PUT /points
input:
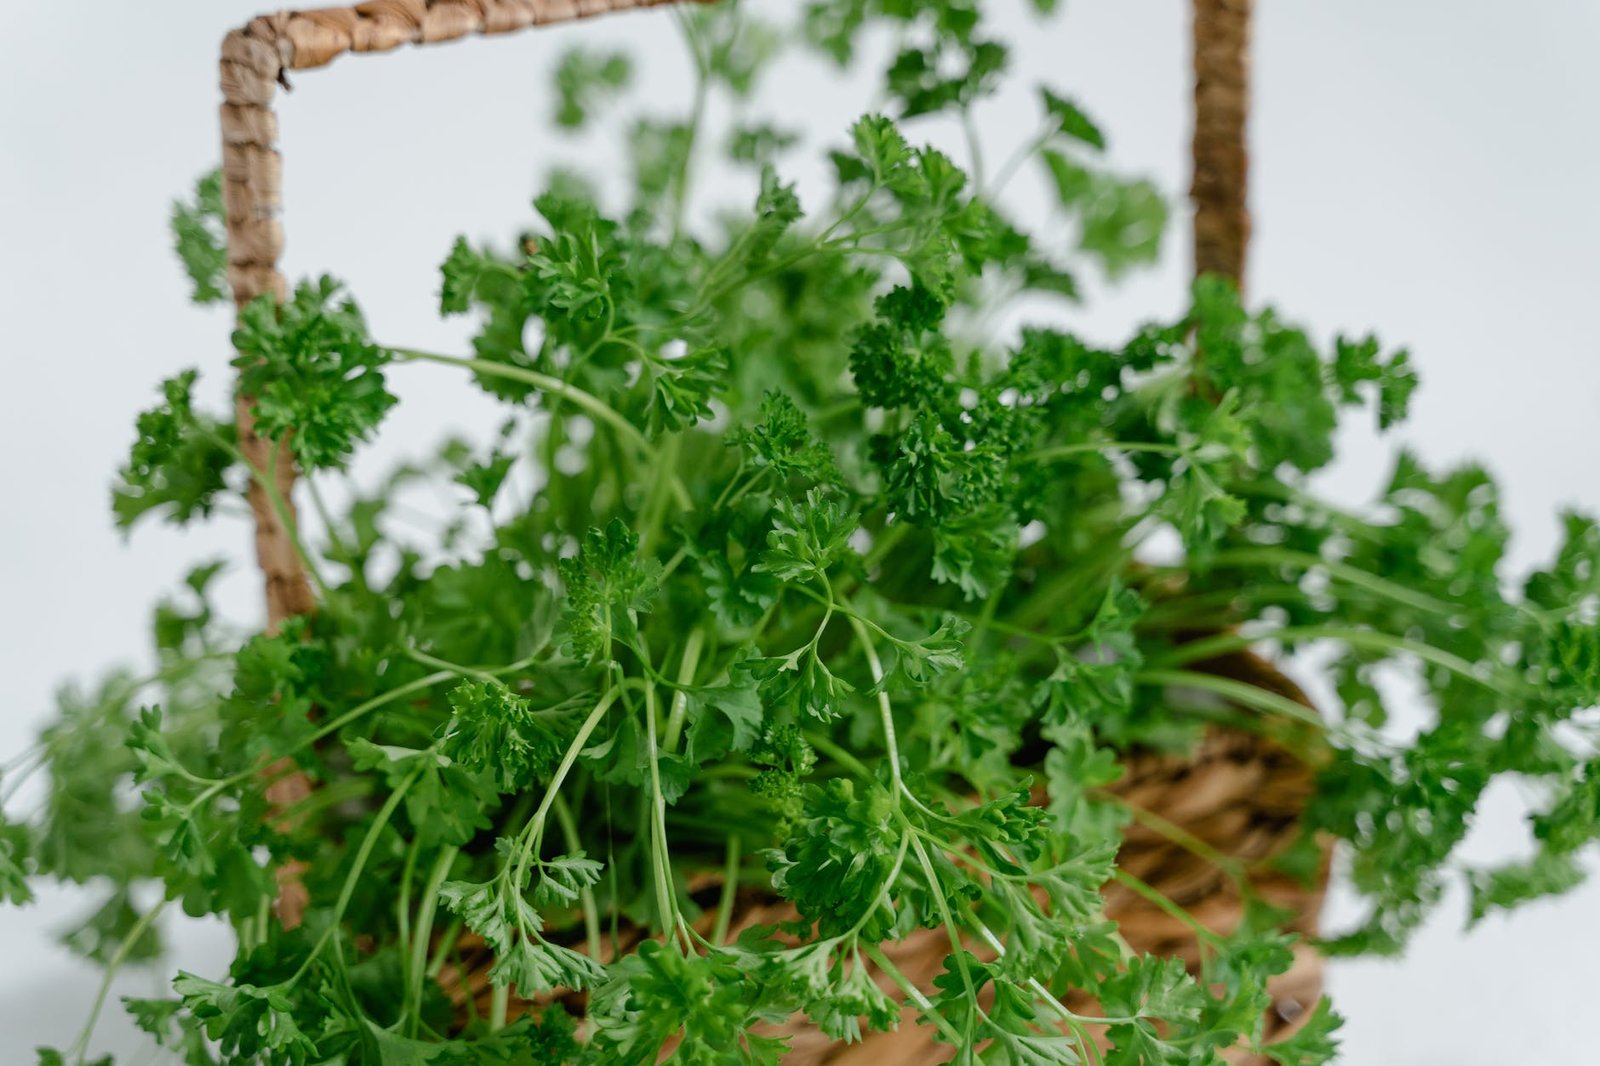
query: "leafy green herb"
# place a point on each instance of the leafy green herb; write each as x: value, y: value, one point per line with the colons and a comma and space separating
x: 815, y: 591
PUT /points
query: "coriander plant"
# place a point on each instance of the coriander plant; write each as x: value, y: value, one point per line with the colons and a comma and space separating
x: 793, y: 586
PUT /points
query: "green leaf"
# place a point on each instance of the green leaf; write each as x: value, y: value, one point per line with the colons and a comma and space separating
x: 937, y: 654
x: 179, y: 462
x: 316, y: 377
x: 1510, y: 886
x: 607, y: 585
x: 722, y: 719
x: 485, y: 479
x: 586, y: 79
x: 200, y: 237
x: 834, y: 867
x: 14, y: 865
x: 494, y: 731
x: 444, y: 801
x: 1120, y: 221
x: 246, y: 1020
x: 1070, y: 120
x: 784, y: 441
x: 682, y: 389
x: 1314, y: 1043
x: 808, y: 537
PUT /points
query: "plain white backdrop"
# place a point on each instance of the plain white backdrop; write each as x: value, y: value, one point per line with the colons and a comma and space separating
x: 1425, y: 170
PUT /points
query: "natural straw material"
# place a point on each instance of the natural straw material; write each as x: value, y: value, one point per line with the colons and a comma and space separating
x: 1221, y: 156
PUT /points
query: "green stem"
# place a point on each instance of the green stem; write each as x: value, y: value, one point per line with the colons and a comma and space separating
x: 660, y: 860
x: 1238, y: 691
x: 403, y: 905
x: 1166, y: 906
x: 418, y: 656
x: 1351, y: 575
x: 498, y: 1005
x: 571, y: 393
x: 885, y: 710
x: 331, y: 727
x: 702, y: 89
x: 730, y: 890
x: 1024, y: 152
x: 279, y: 506
x: 1063, y: 451
x: 342, y: 550
x: 1045, y: 995
x: 680, y: 698
x: 1360, y: 638
x: 1181, y: 837
x: 839, y: 754
x: 447, y: 944
x: 363, y: 854
x: 914, y: 994
x: 936, y: 889
x: 426, y: 910
x: 969, y: 128
x: 80, y: 1046
x: 535, y: 831
x: 591, y: 913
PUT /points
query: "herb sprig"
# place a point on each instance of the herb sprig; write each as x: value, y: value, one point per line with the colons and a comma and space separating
x: 818, y: 598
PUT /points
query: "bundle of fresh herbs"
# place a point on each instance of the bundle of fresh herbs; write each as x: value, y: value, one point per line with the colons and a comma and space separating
x: 788, y: 577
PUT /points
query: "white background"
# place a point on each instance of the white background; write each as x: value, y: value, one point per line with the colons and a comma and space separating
x: 1426, y: 169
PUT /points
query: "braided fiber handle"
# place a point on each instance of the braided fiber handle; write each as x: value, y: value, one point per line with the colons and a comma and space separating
x: 1221, y: 155
x: 255, y: 60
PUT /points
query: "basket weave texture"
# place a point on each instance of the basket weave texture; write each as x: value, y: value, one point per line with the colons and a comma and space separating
x: 1240, y: 794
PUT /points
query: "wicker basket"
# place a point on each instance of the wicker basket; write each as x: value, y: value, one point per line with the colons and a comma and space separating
x: 1240, y: 795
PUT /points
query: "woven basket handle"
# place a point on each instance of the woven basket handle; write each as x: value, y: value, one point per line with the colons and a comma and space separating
x: 1221, y: 155
x: 255, y: 60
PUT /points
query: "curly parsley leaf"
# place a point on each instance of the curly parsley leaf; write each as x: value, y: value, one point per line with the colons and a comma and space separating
x: 179, y: 462
x: 315, y: 376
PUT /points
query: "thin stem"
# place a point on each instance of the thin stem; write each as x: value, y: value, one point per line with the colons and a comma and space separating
x: 80, y: 1046
x: 885, y: 710
x: 839, y: 754
x: 420, y: 656
x: 403, y: 905
x: 969, y: 128
x: 326, y: 516
x: 591, y: 912
x: 426, y: 911
x: 666, y: 899
x: 446, y: 945
x: 914, y: 994
x: 331, y: 727
x: 363, y: 854
x: 1181, y: 837
x: 936, y: 889
x: 1062, y: 451
x: 680, y: 698
x: 1238, y: 691
x: 1351, y: 575
x: 1024, y: 152
x: 535, y: 831
x: 571, y: 393
x: 279, y: 506
x: 998, y: 947
x: 1360, y: 638
x: 1166, y: 906
x: 730, y: 890
x: 702, y: 89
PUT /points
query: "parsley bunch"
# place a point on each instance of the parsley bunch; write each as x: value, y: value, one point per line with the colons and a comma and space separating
x: 826, y: 594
